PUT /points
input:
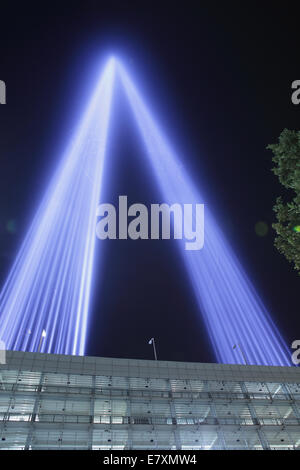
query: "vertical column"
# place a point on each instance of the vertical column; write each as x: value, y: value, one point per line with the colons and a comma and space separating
x: 213, y: 410
x: 294, y: 408
x: 92, y: 412
x: 129, y: 445
x: 292, y: 401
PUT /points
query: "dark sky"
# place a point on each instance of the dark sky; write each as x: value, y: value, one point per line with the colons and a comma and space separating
x: 219, y: 78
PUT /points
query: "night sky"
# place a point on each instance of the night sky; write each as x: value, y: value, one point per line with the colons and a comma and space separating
x: 219, y: 80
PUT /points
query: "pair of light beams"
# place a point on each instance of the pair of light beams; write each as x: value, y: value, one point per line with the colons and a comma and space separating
x: 50, y: 284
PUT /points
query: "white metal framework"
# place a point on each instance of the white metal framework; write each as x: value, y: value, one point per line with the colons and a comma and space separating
x: 70, y: 402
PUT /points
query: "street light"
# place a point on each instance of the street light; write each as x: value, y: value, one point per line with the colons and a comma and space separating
x: 243, y: 354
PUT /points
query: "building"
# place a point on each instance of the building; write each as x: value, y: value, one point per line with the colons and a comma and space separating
x: 73, y: 402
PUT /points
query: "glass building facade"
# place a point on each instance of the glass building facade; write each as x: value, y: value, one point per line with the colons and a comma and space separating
x: 72, y: 402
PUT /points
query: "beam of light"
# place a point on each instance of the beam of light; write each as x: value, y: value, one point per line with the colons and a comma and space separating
x: 232, y: 310
x: 49, y: 285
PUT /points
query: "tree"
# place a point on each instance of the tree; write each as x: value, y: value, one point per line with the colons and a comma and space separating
x: 286, y: 156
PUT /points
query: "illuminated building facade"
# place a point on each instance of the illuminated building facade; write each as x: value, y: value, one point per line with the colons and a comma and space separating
x: 50, y: 401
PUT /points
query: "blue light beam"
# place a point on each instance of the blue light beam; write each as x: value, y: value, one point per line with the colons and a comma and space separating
x: 49, y: 285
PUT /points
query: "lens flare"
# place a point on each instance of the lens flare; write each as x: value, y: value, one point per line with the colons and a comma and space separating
x: 261, y: 229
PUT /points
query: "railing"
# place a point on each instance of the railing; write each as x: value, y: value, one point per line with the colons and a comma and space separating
x: 121, y: 393
x: 145, y: 420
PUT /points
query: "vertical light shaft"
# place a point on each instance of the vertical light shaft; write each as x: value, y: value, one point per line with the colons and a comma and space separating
x: 232, y: 310
x: 49, y: 285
